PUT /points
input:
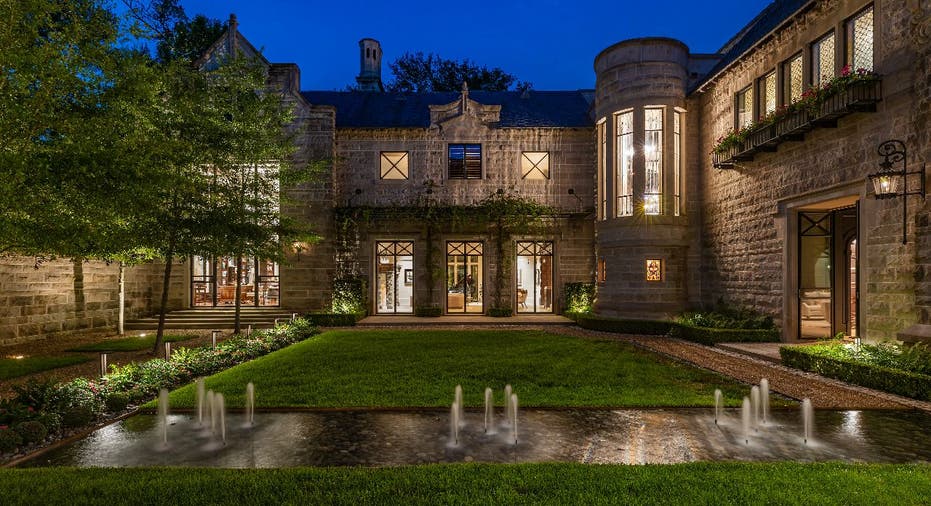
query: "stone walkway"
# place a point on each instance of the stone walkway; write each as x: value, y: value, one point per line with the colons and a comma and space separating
x: 825, y: 393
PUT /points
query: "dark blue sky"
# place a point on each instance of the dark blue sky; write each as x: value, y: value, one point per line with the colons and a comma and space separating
x: 551, y: 43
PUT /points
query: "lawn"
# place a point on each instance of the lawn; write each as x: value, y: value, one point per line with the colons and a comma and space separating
x: 136, y: 343
x: 387, y: 368
x: 701, y: 483
x: 16, y: 367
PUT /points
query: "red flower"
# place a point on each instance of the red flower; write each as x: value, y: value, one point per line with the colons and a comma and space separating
x: 30, y: 409
x: 3, y: 427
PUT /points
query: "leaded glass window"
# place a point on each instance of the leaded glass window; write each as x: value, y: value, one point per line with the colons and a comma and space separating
x: 677, y: 161
x: 653, y: 160
x: 624, y: 187
x: 860, y: 41
x: 767, y: 94
x: 822, y: 60
x: 792, y: 80
x: 744, y: 107
x: 602, y: 176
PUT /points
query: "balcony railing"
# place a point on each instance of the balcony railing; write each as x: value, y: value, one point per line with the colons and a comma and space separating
x: 860, y: 96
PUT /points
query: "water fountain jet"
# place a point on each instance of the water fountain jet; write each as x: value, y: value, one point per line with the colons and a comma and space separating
x: 163, y: 414
x: 808, y: 414
x: 489, y: 408
x: 745, y: 414
x: 250, y: 403
x: 718, y: 405
x: 458, y: 400
x: 454, y: 423
x: 755, y: 407
x: 199, y: 393
x: 764, y: 399
x: 514, y: 417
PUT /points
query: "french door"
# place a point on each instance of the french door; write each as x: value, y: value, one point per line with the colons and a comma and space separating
x: 213, y: 282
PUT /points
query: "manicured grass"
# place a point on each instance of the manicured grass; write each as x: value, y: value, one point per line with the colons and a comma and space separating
x: 14, y: 368
x: 136, y: 343
x: 383, y: 368
x: 703, y: 483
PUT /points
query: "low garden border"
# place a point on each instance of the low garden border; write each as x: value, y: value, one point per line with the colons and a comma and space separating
x: 701, y: 335
x: 908, y: 384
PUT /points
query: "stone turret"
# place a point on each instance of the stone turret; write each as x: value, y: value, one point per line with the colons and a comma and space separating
x: 369, y: 77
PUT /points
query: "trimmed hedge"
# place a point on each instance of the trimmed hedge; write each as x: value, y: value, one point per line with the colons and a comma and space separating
x: 648, y: 327
x: 428, y: 311
x: 710, y: 336
x: 908, y: 384
x: 500, y: 312
x: 333, y: 319
x: 702, y: 335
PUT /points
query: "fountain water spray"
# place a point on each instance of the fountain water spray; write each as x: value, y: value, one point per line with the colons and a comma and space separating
x: 808, y: 413
x: 250, y: 403
x: 718, y: 405
x: 745, y: 413
x: 221, y: 411
x: 764, y: 399
x: 199, y: 393
x: 755, y: 406
x: 210, y: 406
x: 489, y: 408
x: 458, y: 400
x: 514, y: 417
x: 454, y: 423
x: 507, y: 402
x: 163, y: 414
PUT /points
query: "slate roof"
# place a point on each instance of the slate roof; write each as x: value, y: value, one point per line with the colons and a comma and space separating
x: 759, y: 27
x: 357, y: 109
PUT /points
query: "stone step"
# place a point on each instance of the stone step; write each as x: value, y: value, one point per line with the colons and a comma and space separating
x: 211, y: 319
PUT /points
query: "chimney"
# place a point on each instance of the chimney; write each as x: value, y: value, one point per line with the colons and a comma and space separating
x: 369, y: 78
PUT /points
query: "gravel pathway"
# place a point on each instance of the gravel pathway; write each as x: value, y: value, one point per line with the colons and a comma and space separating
x: 825, y: 393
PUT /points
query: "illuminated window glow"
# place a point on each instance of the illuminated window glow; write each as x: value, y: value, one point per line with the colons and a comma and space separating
x: 624, y: 185
x: 653, y: 159
x: 394, y: 165
x: 822, y: 60
x: 535, y: 165
x: 860, y: 41
x: 654, y: 270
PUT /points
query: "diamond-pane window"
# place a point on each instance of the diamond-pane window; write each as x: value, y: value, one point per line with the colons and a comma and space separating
x: 744, y: 107
x: 535, y: 165
x: 860, y: 41
x: 624, y: 185
x: 394, y: 165
x: 792, y: 80
x: 822, y: 60
x: 767, y: 94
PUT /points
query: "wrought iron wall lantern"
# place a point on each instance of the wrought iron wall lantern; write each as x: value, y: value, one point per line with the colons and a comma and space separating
x: 891, y: 182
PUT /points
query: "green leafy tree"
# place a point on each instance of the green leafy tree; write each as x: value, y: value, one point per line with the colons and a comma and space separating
x: 421, y: 73
x: 176, y: 36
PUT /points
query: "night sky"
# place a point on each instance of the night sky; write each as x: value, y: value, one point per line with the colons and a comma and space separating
x: 551, y: 43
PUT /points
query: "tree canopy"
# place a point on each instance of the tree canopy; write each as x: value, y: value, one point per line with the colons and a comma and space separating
x: 420, y: 73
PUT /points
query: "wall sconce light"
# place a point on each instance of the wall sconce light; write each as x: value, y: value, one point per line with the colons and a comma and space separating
x: 890, y: 182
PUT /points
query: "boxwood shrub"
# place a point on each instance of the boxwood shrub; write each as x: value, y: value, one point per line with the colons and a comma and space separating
x: 622, y: 326
x: 428, y: 311
x: 710, y: 336
x: 817, y: 359
x: 334, y: 319
x: 500, y: 312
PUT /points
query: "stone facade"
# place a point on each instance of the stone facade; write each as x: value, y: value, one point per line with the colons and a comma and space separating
x: 734, y: 236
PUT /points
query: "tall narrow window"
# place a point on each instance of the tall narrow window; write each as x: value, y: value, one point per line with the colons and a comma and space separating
x: 394, y: 165
x: 653, y: 161
x: 465, y: 161
x: 602, y: 274
x: 394, y: 270
x: 860, y: 40
x: 792, y: 81
x: 677, y: 162
x: 744, y: 107
x: 767, y: 94
x: 624, y: 186
x: 822, y: 60
x: 602, y: 176
x: 535, y: 165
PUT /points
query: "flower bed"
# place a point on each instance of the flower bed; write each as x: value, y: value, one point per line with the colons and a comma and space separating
x: 42, y: 411
x: 883, y: 367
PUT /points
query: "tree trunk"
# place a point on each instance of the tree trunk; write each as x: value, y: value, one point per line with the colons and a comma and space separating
x: 166, y: 284
x: 121, y: 318
x: 238, y: 292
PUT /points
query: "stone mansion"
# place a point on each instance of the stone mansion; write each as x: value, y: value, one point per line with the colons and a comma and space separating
x: 680, y: 181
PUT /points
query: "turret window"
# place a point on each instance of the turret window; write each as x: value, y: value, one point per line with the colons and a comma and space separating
x: 624, y: 186
x: 653, y: 161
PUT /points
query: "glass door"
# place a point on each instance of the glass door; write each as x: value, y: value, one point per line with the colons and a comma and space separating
x: 815, y: 281
x: 464, y: 283
x: 534, y: 277
x: 394, y: 269
x: 213, y: 282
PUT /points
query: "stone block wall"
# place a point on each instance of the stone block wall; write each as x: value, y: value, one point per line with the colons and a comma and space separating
x: 750, y: 211
x: 65, y: 296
